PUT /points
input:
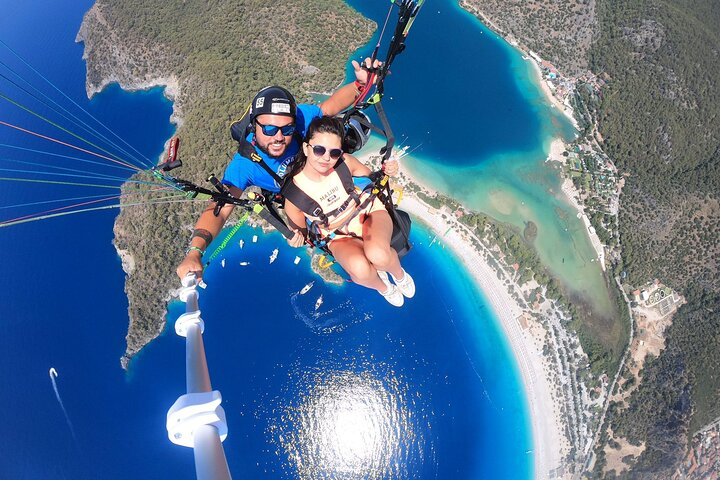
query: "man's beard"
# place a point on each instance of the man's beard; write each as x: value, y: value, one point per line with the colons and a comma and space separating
x: 266, y: 152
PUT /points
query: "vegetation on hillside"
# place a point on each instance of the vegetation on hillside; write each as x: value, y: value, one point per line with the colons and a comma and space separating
x: 657, y: 119
x: 560, y: 30
x: 660, y: 122
x: 603, y: 344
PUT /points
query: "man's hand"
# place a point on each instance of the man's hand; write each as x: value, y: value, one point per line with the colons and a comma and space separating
x: 191, y: 263
x: 391, y: 167
x: 361, y: 74
x: 298, y: 240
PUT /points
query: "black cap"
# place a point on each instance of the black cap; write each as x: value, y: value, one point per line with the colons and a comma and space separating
x: 273, y: 100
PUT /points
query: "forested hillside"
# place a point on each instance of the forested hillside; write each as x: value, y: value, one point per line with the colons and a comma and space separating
x: 660, y: 122
x: 560, y: 30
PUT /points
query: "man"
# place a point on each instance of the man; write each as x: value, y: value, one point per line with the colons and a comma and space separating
x: 278, y: 125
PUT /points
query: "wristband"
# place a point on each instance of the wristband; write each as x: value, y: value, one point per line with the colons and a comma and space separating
x: 359, y: 85
x: 197, y: 249
x: 204, y: 234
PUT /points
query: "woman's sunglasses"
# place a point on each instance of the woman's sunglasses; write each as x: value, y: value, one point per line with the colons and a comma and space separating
x: 319, y: 151
x: 271, y: 130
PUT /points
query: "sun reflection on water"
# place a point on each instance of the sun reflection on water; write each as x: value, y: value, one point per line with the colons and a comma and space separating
x: 349, y: 425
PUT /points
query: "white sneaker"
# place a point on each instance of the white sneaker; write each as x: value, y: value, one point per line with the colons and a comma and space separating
x: 392, y: 294
x: 406, y: 285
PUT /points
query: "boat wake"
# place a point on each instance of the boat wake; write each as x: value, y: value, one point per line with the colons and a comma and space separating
x: 53, y: 375
x: 326, y: 321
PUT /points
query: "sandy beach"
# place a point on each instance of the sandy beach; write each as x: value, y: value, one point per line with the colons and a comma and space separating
x: 565, y: 109
x: 524, y: 334
x: 546, y: 427
x: 557, y: 147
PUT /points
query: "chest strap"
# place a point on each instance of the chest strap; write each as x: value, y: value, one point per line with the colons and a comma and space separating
x: 310, y: 207
x: 247, y: 150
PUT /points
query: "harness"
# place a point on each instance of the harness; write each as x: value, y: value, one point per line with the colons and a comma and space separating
x: 290, y: 191
x: 311, y: 208
x: 375, y: 185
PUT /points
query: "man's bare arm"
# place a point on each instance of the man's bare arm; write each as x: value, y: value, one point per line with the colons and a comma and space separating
x: 206, y: 229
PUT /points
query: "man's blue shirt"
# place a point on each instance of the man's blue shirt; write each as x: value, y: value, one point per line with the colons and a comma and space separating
x: 243, y: 172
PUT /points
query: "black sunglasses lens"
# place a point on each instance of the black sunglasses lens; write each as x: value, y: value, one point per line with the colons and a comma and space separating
x: 319, y: 151
x: 271, y: 130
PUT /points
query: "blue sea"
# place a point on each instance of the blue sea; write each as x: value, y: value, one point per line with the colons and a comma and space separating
x: 352, y: 389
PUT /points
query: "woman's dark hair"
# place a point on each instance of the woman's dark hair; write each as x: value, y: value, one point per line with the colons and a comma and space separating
x: 331, y: 125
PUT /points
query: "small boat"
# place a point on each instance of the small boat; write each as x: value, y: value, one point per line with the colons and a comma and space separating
x: 274, y: 255
x: 244, y: 264
x: 297, y: 260
x: 254, y: 238
x: 306, y: 288
x: 318, y: 302
x: 222, y: 262
x: 242, y: 243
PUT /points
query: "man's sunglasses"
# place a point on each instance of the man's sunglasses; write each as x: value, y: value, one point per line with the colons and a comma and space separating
x: 319, y: 151
x: 271, y: 130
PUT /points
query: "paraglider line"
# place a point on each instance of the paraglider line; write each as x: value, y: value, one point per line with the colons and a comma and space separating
x: 69, y: 145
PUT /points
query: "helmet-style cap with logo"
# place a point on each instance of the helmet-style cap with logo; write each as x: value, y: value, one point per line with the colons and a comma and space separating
x: 273, y: 100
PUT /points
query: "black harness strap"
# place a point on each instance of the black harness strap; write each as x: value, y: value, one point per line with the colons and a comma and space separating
x: 247, y: 150
x: 310, y: 207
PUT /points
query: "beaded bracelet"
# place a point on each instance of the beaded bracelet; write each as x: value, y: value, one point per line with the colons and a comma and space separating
x: 198, y: 249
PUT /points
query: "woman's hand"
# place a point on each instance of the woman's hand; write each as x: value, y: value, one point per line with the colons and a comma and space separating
x: 391, y: 167
x: 298, y: 240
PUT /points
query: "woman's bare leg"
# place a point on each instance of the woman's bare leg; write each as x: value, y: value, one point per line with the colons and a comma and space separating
x: 350, y: 255
x: 377, y: 234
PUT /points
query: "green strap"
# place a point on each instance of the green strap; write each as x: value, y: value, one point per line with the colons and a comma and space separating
x: 228, y: 237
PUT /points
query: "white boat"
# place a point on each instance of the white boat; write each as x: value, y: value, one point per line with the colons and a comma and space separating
x: 274, y: 255
x: 244, y: 264
x: 403, y: 151
x: 222, y: 262
x: 242, y: 243
x: 254, y: 238
x: 306, y: 288
x: 318, y: 302
x: 297, y: 260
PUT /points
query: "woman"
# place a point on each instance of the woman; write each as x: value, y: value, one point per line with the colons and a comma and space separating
x: 358, y: 239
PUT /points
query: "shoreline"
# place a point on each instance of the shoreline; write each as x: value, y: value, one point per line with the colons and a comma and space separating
x: 171, y: 92
x: 525, y: 336
x: 572, y: 196
x: 545, y: 429
x: 543, y: 84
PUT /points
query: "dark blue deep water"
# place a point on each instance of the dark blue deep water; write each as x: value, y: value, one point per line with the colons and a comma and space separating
x: 354, y: 389
x: 452, y: 94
